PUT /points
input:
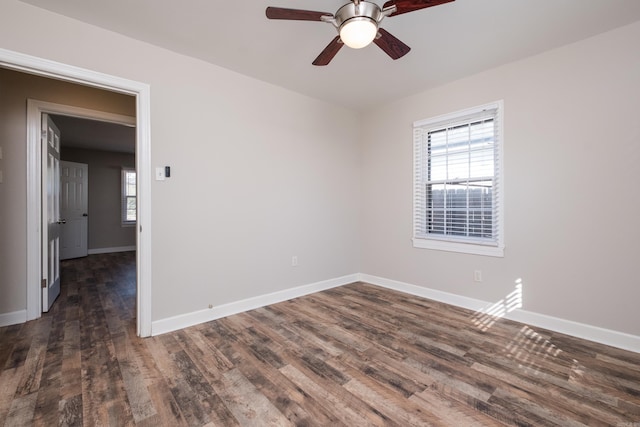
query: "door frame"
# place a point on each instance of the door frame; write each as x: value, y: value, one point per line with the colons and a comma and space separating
x: 141, y: 91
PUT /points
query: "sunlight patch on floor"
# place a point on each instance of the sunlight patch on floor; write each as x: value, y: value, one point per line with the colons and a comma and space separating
x: 485, y: 318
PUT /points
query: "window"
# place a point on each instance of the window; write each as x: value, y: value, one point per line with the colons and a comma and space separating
x: 458, y: 182
x: 129, y: 201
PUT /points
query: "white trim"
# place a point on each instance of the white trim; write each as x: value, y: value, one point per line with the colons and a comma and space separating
x: 433, y: 294
x: 111, y: 250
x: 69, y: 73
x: 13, y: 318
x: 461, y: 247
x: 580, y: 330
x: 201, y: 316
x: 34, y: 202
x: 459, y: 115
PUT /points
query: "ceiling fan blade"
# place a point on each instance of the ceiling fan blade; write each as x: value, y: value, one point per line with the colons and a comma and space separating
x: 391, y: 45
x: 404, y: 6
x: 329, y: 52
x: 295, y: 14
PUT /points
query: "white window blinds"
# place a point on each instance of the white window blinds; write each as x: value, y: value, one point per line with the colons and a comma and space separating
x: 457, y: 181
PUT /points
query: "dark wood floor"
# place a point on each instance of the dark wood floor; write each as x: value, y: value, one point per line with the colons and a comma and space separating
x: 355, y: 355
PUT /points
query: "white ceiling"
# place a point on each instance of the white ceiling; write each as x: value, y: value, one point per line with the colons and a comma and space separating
x: 448, y: 42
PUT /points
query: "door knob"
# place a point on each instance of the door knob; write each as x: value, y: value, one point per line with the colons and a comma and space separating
x: 62, y: 221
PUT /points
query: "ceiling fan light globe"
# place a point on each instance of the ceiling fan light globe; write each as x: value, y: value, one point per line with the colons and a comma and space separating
x: 358, y: 32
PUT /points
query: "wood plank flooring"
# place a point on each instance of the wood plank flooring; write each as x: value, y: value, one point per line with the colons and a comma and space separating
x: 357, y: 355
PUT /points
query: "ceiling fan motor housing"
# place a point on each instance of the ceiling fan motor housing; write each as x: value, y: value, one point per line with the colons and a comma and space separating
x: 362, y: 10
x: 355, y: 19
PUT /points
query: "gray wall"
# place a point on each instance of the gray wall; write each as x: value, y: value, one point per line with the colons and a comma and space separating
x: 15, y: 89
x: 104, y: 226
x: 572, y: 168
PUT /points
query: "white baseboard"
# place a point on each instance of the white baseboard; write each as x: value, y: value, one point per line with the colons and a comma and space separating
x: 580, y: 330
x: 201, y: 316
x: 13, y: 318
x: 593, y: 333
x: 111, y: 250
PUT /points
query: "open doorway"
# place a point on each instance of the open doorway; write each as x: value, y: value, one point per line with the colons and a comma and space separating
x: 97, y: 199
x: 34, y: 230
x: 98, y: 186
x: 56, y: 120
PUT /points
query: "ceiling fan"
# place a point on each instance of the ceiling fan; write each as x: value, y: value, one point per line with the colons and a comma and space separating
x: 357, y: 23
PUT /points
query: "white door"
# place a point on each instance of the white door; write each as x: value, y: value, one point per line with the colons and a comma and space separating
x: 74, y: 209
x: 51, y: 219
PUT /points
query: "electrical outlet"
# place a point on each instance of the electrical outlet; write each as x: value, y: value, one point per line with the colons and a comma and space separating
x: 477, y: 275
x: 294, y: 261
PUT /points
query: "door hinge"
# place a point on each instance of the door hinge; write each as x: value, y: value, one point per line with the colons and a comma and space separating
x: 44, y: 283
x: 44, y: 134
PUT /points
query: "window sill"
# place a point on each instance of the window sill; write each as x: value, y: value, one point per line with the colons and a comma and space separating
x: 466, y: 248
x: 128, y: 224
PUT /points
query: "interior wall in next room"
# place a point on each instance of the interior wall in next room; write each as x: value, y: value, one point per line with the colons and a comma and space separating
x: 105, y: 229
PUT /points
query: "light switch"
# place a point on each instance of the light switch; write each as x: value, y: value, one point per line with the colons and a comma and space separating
x: 160, y: 174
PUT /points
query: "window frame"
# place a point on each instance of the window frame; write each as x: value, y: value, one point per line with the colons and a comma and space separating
x: 469, y: 245
x: 124, y: 196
